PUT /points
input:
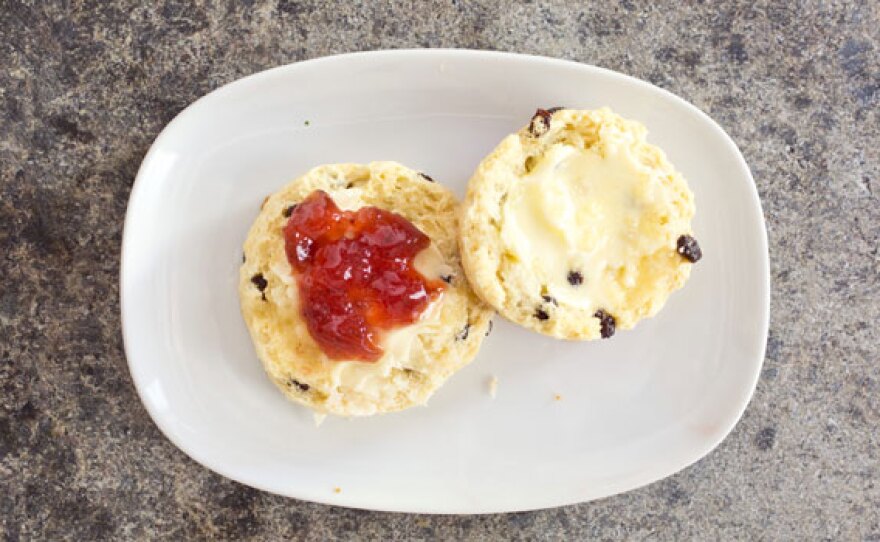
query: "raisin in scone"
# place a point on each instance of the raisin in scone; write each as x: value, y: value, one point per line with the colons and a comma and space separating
x: 353, y: 291
x: 575, y: 226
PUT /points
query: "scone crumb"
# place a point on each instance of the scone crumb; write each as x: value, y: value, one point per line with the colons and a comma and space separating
x: 493, y: 386
x: 337, y: 489
x: 557, y: 397
x: 319, y: 418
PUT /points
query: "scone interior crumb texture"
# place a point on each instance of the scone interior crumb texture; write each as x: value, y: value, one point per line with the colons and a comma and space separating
x: 418, y: 358
x: 571, y: 226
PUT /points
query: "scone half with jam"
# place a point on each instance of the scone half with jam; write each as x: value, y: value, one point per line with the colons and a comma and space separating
x: 576, y: 226
x: 353, y: 292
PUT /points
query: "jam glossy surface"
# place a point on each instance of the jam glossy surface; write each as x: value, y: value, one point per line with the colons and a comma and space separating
x: 355, y: 274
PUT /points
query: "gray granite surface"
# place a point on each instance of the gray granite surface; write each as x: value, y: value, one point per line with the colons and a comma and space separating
x: 86, y: 86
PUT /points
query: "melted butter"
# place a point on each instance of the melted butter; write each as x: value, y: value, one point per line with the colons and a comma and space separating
x: 347, y: 199
x: 401, y: 346
x: 581, y: 210
x: 430, y: 263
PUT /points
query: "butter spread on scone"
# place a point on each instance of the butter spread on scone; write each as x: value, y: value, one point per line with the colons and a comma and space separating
x: 576, y: 226
x: 415, y: 357
x: 355, y: 274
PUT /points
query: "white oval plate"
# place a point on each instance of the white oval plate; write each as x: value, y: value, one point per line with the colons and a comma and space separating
x: 632, y: 409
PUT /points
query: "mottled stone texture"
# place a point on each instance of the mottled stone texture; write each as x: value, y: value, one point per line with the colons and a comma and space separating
x: 85, y: 87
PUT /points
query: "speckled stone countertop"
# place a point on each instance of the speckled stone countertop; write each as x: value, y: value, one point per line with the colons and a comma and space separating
x: 86, y: 86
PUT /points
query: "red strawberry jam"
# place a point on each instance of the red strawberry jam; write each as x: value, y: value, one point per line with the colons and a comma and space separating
x: 355, y: 274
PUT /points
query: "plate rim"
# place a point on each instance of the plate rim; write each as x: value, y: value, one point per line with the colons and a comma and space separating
x: 340, y: 500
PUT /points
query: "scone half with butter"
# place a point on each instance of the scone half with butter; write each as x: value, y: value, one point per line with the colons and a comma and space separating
x: 353, y: 292
x: 576, y: 226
